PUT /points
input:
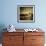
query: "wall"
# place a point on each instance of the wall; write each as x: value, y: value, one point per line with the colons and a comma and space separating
x: 9, y: 13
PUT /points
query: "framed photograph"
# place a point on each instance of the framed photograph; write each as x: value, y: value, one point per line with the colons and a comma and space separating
x: 26, y: 13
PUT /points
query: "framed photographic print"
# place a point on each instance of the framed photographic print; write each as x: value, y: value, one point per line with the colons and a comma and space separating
x: 26, y: 13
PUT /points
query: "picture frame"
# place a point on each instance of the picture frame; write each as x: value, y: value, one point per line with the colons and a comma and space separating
x: 26, y: 13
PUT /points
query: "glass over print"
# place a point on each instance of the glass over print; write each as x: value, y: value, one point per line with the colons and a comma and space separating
x: 26, y: 13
